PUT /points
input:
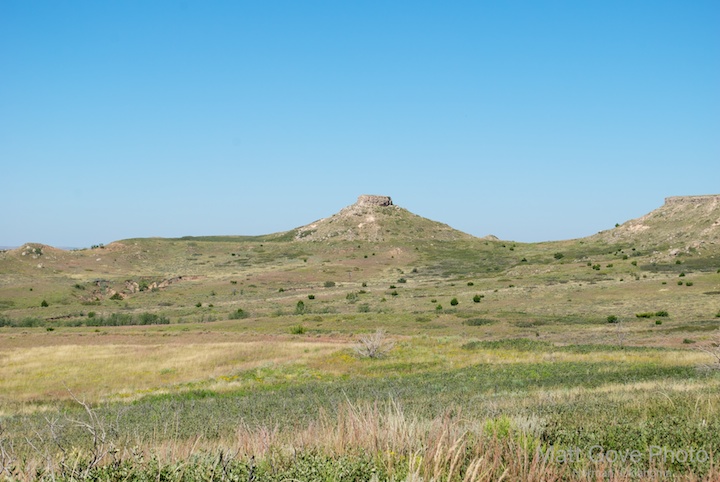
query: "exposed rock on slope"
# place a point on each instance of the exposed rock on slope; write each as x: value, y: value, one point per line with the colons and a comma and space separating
x: 376, y: 218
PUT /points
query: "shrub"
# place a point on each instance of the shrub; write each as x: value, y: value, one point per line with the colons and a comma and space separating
x: 364, y: 308
x: 351, y: 297
x: 478, y: 322
x: 454, y: 302
x: 470, y: 283
x: 477, y: 298
x: 394, y: 293
x: 688, y: 341
x: 364, y: 284
x: 680, y: 283
x: 439, y: 307
x: 375, y: 345
x: 198, y: 304
x: 634, y: 263
x: 238, y: 314
x: 152, y: 319
x: 300, y: 308
x: 311, y: 297
x: 329, y: 284
x: 402, y: 280
x: 44, y: 304
x: 662, y: 313
x: 392, y: 287
x: 297, y: 330
x: 658, y: 322
x: 612, y: 319
x: 558, y: 256
x: 682, y: 274
x: 116, y: 297
x: 688, y: 283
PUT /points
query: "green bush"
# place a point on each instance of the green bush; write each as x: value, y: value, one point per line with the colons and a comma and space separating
x: 478, y: 322
x: 297, y: 330
x: 364, y: 308
x: 329, y: 284
x: 300, y: 307
x: 44, y: 304
x: 454, y: 302
x: 558, y: 256
x: 612, y: 319
x: 681, y: 274
x: 477, y: 298
x: 238, y: 314
x: 658, y: 322
x: 470, y: 283
x: 311, y: 297
x: 116, y: 297
x: 439, y: 307
x: 402, y: 280
x: 688, y: 283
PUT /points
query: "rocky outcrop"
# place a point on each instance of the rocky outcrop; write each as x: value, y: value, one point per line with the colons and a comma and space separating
x: 704, y: 199
x: 371, y: 200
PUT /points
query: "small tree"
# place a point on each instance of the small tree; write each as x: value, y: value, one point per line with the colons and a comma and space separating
x: 44, y: 304
x: 375, y: 345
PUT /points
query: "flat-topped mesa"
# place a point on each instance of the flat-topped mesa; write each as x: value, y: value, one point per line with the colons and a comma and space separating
x: 370, y: 200
x: 692, y: 199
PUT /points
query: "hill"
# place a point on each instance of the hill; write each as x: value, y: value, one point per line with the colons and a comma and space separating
x: 376, y: 219
x: 684, y: 225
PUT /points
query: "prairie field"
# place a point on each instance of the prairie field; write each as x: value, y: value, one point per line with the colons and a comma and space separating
x: 427, y: 355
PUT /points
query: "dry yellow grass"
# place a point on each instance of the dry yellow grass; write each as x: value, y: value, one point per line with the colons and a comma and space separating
x: 101, y: 372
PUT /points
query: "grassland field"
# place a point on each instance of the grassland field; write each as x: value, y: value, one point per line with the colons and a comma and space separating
x: 234, y: 358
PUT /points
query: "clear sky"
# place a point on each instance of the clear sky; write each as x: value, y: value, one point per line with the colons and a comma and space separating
x: 529, y: 120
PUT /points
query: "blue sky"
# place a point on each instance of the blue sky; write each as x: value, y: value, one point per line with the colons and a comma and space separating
x: 532, y: 121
